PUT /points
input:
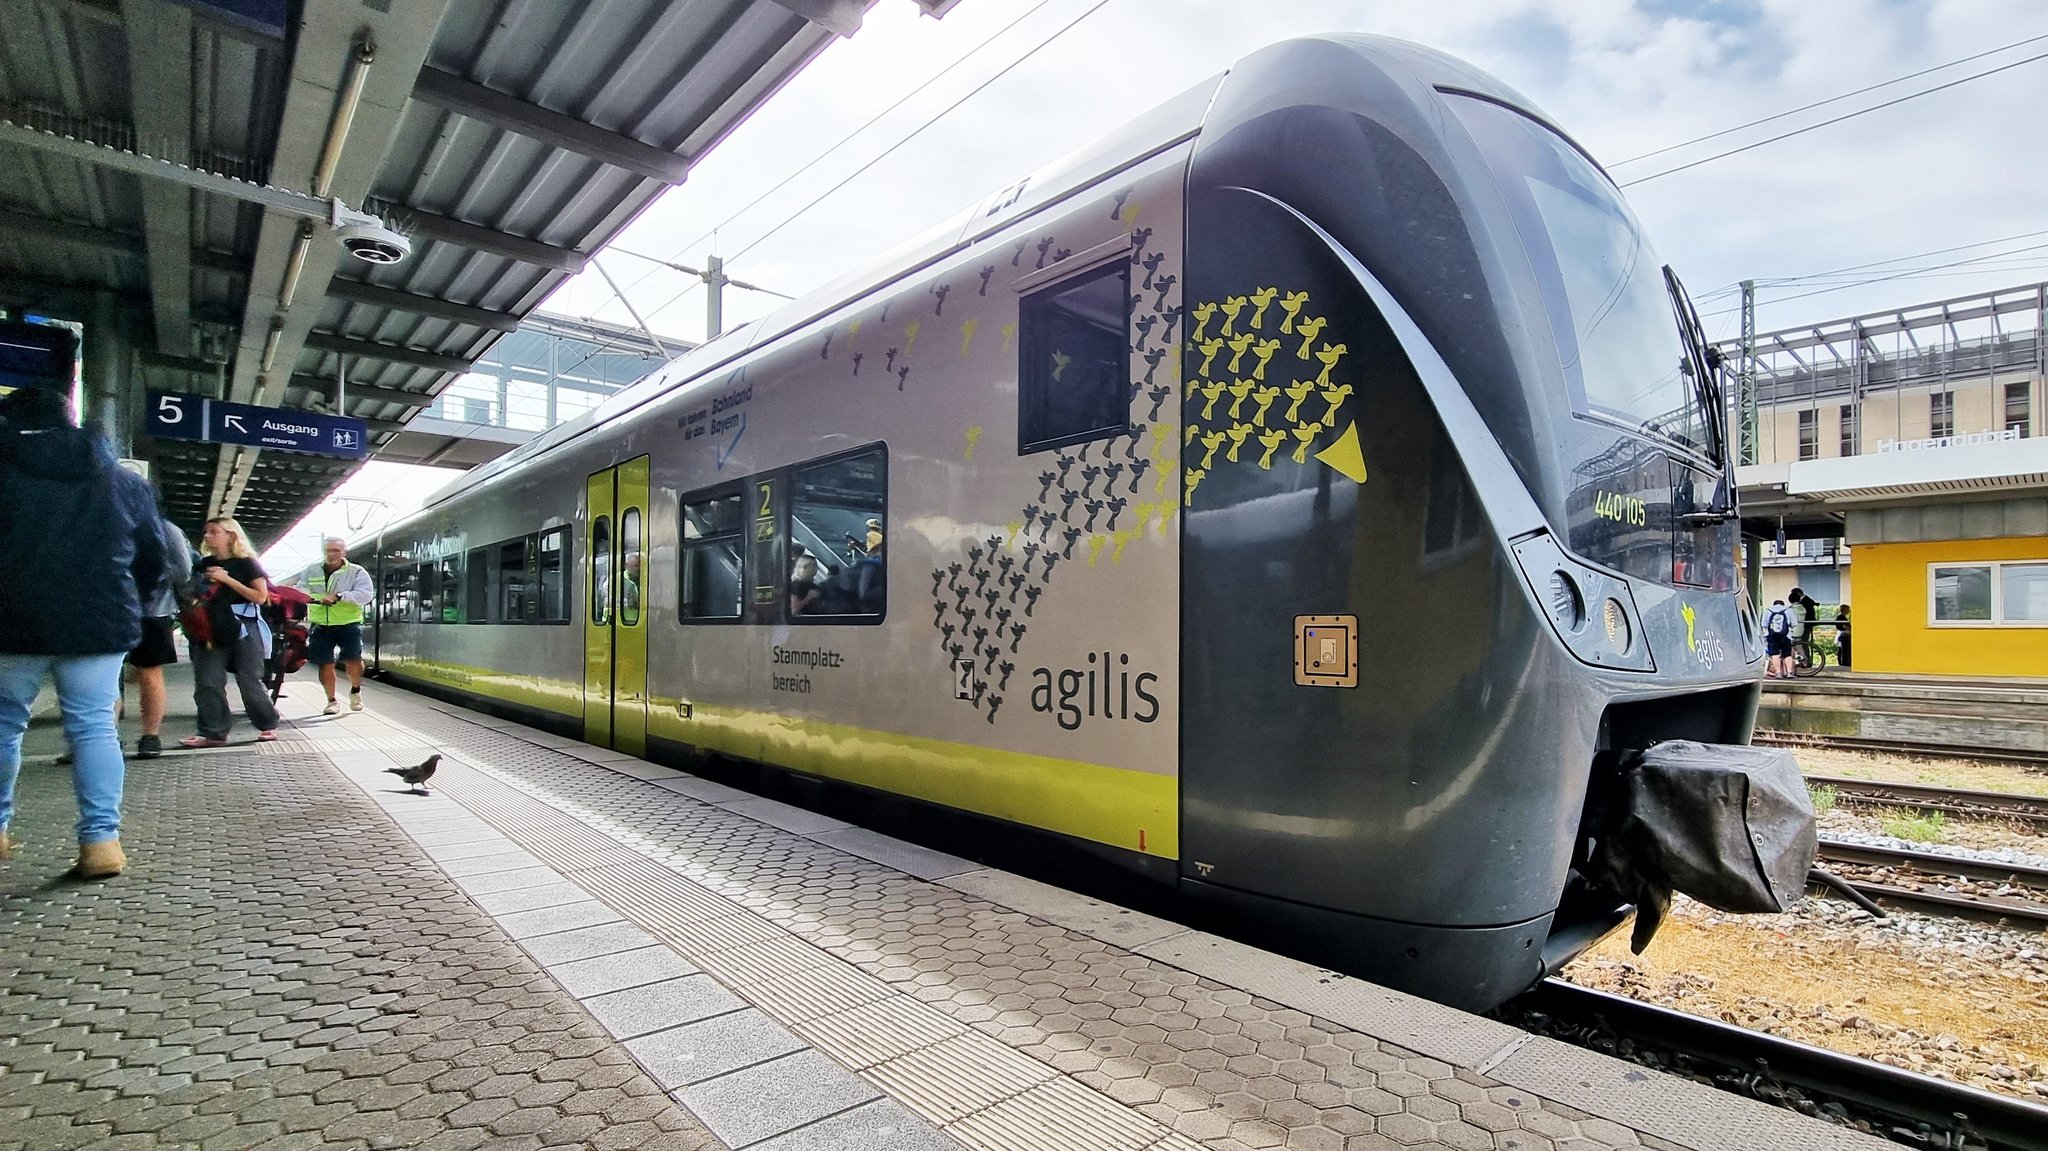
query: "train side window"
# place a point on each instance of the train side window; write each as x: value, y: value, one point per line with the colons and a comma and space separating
x: 550, y: 571
x: 451, y: 589
x: 631, y: 578
x: 839, y: 527
x: 427, y: 594
x: 478, y: 594
x: 512, y: 584
x: 712, y: 566
x: 601, y: 570
x: 1073, y: 366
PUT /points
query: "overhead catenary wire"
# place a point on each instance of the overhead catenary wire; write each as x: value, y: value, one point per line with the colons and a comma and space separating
x: 941, y: 114
x: 1775, y: 281
x: 1829, y: 100
x: 1834, y: 120
x: 1910, y: 273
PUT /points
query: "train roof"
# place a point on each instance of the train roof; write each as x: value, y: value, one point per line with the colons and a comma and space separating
x: 1172, y: 122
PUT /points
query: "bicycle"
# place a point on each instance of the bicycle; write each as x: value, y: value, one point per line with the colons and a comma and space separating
x: 1807, y: 660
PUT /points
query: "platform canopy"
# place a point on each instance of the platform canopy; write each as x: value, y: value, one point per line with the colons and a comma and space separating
x: 169, y: 174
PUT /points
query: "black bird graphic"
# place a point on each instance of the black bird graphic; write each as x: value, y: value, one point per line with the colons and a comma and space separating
x: 1164, y: 286
x: 889, y: 363
x: 1017, y: 629
x: 1139, y: 238
x: 1110, y: 473
x: 1172, y: 317
x: 902, y: 374
x: 1031, y: 595
x: 1138, y: 469
x: 1045, y: 480
x: 1068, y: 496
x: 1152, y: 359
x: 416, y: 777
x: 1017, y: 582
x: 980, y: 637
x: 825, y: 352
x: 1052, y: 557
x: 1006, y: 563
x: 857, y: 356
x: 995, y: 704
x: 939, y: 612
x: 1008, y: 667
x: 940, y: 291
x: 1158, y: 395
x: 947, y: 631
x: 1045, y: 521
x: 985, y: 274
x: 1116, y: 211
x: 1002, y: 621
x: 1062, y: 254
x: 995, y: 544
x: 989, y: 654
x: 974, y: 556
x: 1116, y: 508
x: 1089, y: 475
x: 1094, y: 509
x: 1073, y: 536
x: 1019, y: 254
x: 1044, y: 246
x: 1066, y: 465
x: 1030, y: 550
x: 938, y: 578
x: 1152, y: 263
x: 1144, y: 325
x: 1131, y: 307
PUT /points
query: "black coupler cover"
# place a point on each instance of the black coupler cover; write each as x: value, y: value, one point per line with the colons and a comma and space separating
x: 1731, y: 826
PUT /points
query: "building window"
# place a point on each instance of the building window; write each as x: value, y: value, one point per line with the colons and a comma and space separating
x: 1847, y: 418
x: 1809, y: 434
x: 839, y: 516
x: 1988, y: 594
x: 1941, y: 414
x: 2018, y: 407
x: 1074, y: 367
x: 549, y: 571
x: 712, y: 564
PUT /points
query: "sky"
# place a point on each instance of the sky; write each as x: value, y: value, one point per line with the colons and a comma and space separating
x: 1625, y: 77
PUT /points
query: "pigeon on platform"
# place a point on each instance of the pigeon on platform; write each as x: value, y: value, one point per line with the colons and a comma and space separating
x: 417, y: 777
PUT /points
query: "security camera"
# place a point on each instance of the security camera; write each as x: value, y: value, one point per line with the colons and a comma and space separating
x: 374, y: 243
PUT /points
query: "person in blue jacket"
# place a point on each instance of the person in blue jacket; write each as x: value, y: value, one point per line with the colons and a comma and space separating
x: 79, y: 555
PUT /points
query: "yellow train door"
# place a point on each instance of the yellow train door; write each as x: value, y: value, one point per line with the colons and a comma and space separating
x: 615, y: 612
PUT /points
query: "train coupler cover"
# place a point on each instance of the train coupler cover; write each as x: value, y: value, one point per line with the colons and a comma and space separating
x: 1731, y: 826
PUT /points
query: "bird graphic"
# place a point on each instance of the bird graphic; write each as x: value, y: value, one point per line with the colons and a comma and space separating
x: 1116, y: 508
x: 1163, y: 287
x: 967, y: 330
x: 973, y: 438
x: 889, y: 361
x: 1192, y: 431
x: 938, y: 579
x: 1089, y: 475
x: 1211, y: 441
x: 985, y: 274
x: 1260, y: 299
x: 1291, y: 305
x: 910, y: 331
x: 1329, y: 354
x: 1210, y: 392
x: 1073, y: 536
x: 1019, y: 253
x: 1158, y: 396
x: 1152, y: 359
x: 1138, y: 469
x: 1007, y: 667
x: 1031, y: 595
x: 1139, y: 238
x: 1144, y: 325
x: 1095, y: 545
x: 1271, y: 441
x: 1017, y: 581
x: 1166, y: 511
x: 1232, y: 305
x: 1298, y: 392
x: 1193, y: 478
x: 1203, y: 314
x: 1308, y: 330
x: 1094, y: 509
x: 1123, y: 538
x: 1060, y: 360
x: 1151, y: 264
x: 940, y: 290
x: 939, y: 614
x: 1334, y: 396
x: 1238, y: 391
x: 1209, y: 350
x: 1046, y: 479
x: 857, y: 357
x: 1172, y: 317
x: 1264, y: 350
x: 825, y: 351
x: 995, y: 704
x: 1044, y: 246
x: 415, y: 778
x: 1238, y: 345
x: 1237, y: 434
x: 902, y: 374
x: 1263, y: 396
x: 1116, y: 210
x: 1307, y: 434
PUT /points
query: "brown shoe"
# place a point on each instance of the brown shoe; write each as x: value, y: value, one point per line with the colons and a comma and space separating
x: 100, y: 860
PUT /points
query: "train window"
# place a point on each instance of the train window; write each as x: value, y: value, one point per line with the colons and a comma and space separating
x: 513, y: 583
x: 550, y: 568
x: 630, y: 576
x: 478, y: 594
x: 711, y: 550
x: 838, y: 534
x: 1074, y: 368
x: 451, y: 589
x: 601, y: 569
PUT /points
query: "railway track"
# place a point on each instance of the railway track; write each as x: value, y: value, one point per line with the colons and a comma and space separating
x: 1797, y: 739
x: 1999, y: 908
x: 1911, y: 1109
x: 1953, y: 801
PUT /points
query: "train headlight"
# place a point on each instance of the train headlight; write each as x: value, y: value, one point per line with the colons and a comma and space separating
x: 1614, y: 620
x: 1567, y: 602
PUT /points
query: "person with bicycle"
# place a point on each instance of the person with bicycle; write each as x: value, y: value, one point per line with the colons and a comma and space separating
x: 1778, y: 641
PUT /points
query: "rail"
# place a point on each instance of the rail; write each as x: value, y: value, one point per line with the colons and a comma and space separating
x: 1909, y: 1108
x: 1949, y: 800
x: 2000, y: 910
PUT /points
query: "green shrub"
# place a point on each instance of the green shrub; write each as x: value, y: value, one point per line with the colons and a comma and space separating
x: 1917, y: 826
x: 1824, y: 798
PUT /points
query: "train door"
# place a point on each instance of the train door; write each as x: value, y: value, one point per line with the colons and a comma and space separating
x: 615, y: 614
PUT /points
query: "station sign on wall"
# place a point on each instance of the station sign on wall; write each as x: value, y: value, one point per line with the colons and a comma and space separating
x: 177, y: 416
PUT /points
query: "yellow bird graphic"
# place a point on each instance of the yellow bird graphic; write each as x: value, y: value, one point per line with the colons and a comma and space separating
x: 1264, y: 350
x: 1211, y: 392
x: 1307, y: 434
x: 1329, y: 354
x: 1260, y: 299
x: 1238, y: 391
x: 1271, y: 441
x: 1308, y: 330
x: 1298, y: 392
x: 1237, y: 434
x: 1209, y: 349
x: 1203, y: 314
x: 1334, y: 396
x: 973, y: 438
x: 1238, y: 346
x: 1263, y: 397
x: 1291, y: 305
x: 1231, y: 307
x: 1060, y: 360
x: 1213, y: 441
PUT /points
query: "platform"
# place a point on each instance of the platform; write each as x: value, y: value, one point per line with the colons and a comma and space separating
x: 2002, y: 715
x: 566, y: 946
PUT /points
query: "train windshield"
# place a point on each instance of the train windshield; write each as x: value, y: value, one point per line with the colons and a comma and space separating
x: 1604, y: 288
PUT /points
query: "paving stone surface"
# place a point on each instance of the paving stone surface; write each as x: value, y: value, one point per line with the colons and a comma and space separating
x: 1218, y: 1067
x: 281, y: 968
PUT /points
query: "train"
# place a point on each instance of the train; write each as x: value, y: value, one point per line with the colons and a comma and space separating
x: 1294, y: 501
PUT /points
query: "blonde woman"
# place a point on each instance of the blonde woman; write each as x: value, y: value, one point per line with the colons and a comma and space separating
x: 237, y: 588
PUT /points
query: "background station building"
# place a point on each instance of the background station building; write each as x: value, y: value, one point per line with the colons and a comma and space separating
x: 1893, y: 462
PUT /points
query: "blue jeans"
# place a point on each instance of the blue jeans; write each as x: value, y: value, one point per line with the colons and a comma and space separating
x: 88, y: 686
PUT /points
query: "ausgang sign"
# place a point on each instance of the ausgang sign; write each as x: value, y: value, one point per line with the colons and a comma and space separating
x: 184, y: 417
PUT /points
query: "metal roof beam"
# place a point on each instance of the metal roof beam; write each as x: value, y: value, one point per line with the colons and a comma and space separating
x: 86, y: 235
x: 160, y: 83
x: 477, y: 238
x: 394, y: 353
x: 447, y: 90
x: 365, y: 392
x: 358, y: 292
x: 842, y: 17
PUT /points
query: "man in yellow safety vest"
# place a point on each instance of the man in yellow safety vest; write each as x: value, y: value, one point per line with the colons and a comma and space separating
x: 340, y: 591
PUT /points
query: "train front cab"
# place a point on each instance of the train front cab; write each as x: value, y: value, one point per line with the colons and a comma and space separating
x: 1417, y: 815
